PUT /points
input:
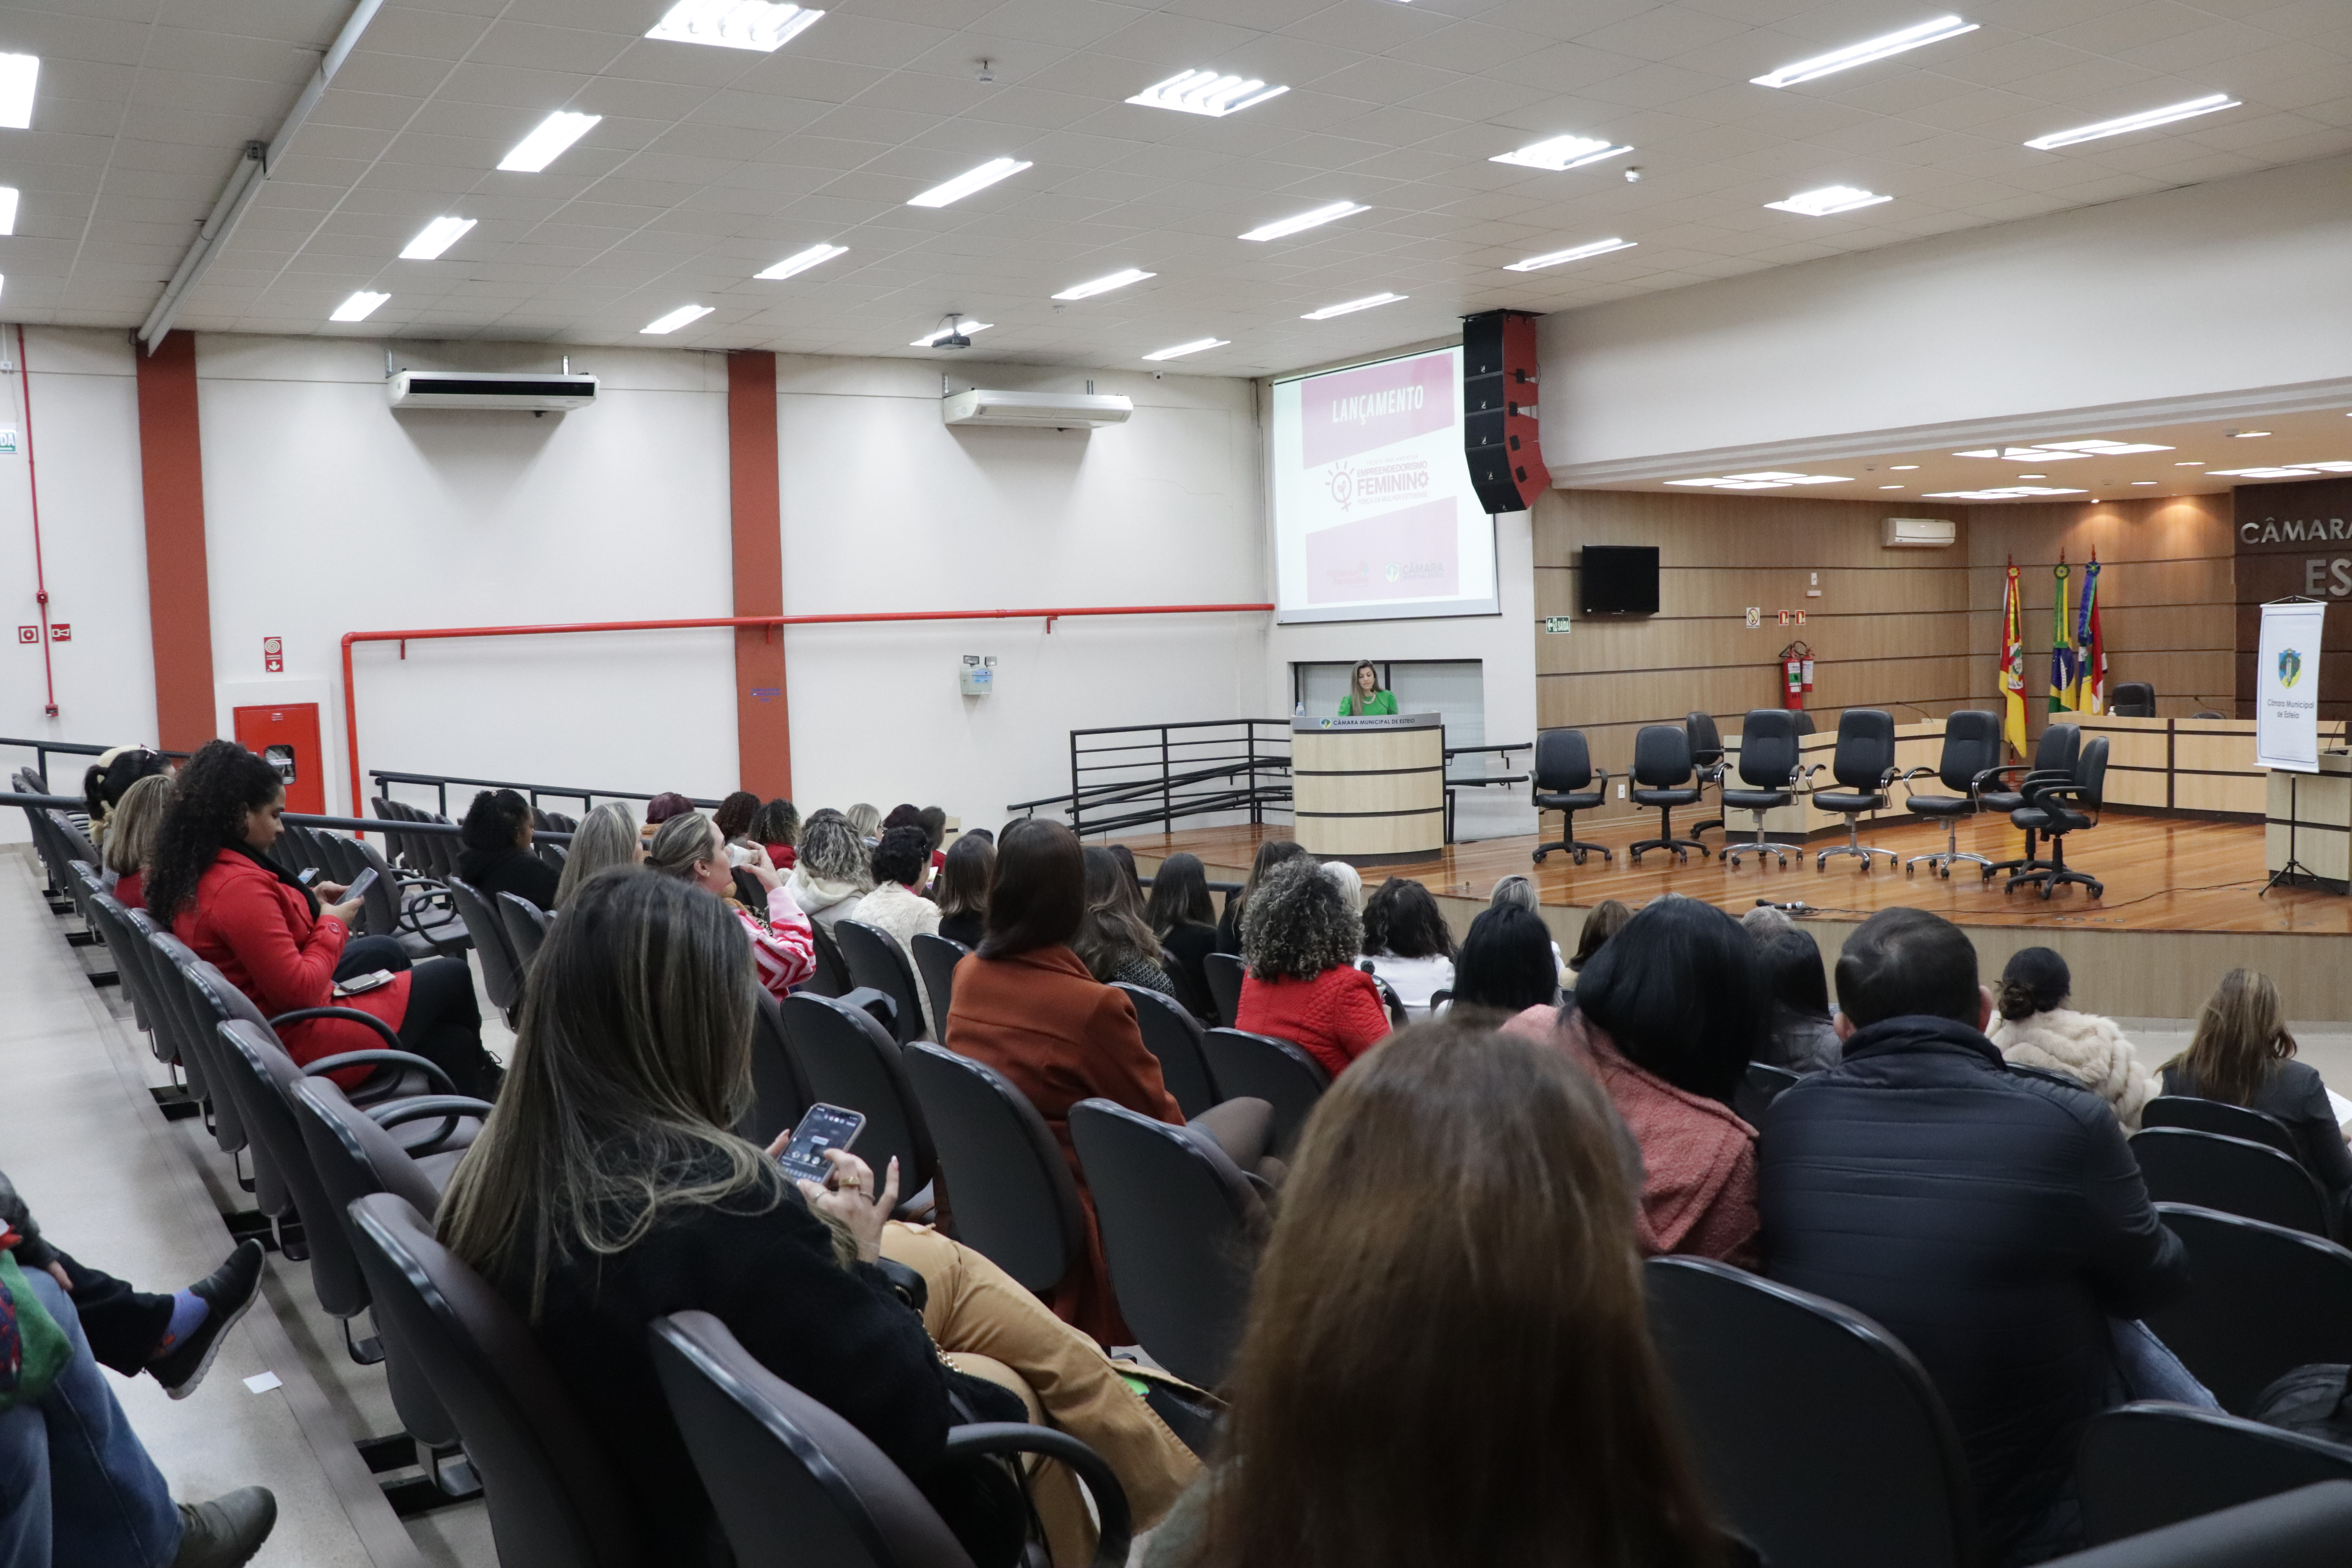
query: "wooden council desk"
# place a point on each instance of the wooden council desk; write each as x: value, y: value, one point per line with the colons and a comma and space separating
x: 1370, y: 790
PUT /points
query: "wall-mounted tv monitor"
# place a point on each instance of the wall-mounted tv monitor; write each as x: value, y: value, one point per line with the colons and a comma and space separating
x: 1618, y: 580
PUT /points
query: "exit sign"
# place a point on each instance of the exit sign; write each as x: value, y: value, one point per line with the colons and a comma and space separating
x: 1558, y: 625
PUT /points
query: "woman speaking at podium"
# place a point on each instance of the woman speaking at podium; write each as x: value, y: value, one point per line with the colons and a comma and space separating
x: 1364, y: 695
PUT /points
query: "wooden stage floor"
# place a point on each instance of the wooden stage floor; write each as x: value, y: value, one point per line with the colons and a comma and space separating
x: 2161, y: 873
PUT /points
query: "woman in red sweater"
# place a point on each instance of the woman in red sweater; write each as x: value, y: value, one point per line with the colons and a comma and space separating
x: 211, y: 881
x: 1300, y: 936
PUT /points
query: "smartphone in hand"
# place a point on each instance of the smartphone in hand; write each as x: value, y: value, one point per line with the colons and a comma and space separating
x: 307, y: 875
x: 360, y: 885
x: 822, y: 1128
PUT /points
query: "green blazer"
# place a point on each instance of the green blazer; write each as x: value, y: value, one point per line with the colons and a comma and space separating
x: 1381, y: 702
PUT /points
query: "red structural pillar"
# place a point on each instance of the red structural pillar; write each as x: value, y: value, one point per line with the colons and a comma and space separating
x: 179, y: 595
x: 763, y: 736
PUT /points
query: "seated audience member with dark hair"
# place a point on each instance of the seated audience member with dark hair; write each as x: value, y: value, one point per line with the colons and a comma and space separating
x: 688, y: 849
x: 1299, y: 941
x: 963, y: 887
x: 1184, y: 917
x: 934, y: 822
x: 1519, y: 892
x: 2035, y: 1028
x: 106, y: 780
x: 1665, y: 1017
x: 1508, y: 964
x: 1026, y: 1004
x: 1270, y: 854
x: 131, y: 840
x: 606, y: 838
x: 77, y: 1487
x: 608, y: 1191
x: 498, y: 856
x: 776, y: 827
x: 1115, y: 941
x: 1799, y: 1033
x: 170, y: 1338
x: 213, y: 885
x: 664, y: 806
x: 2242, y: 1053
x: 733, y: 817
x: 1991, y: 1221
x: 1455, y: 1177
x: 1602, y: 922
x: 1408, y: 942
x: 901, y: 860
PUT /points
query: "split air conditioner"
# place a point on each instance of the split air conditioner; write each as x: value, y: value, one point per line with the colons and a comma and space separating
x: 489, y: 389
x: 1036, y: 410
x: 1921, y: 534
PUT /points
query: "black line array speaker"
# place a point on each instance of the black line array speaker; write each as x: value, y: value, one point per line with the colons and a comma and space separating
x: 1499, y: 409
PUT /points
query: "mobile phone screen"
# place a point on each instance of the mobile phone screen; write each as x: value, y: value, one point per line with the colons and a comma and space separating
x: 823, y: 1127
x: 360, y: 885
x: 308, y: 876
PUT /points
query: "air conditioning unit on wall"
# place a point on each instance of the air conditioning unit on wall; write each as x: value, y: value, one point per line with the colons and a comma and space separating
x: 1921, y: 534
x: 489, y: 389
x: 1036, y: 410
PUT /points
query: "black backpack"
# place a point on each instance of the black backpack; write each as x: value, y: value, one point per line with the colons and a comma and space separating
x: 2315, y: 1400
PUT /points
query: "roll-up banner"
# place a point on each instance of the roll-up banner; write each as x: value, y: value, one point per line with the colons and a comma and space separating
x: 2286, y: 687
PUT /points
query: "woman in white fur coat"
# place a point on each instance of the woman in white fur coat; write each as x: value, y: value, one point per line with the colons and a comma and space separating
x: 2037, y: 1029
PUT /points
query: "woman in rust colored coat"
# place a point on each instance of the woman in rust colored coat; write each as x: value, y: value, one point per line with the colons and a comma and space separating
x: 1026, y: 1004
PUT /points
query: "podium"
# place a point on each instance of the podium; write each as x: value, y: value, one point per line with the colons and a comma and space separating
x: 1371, y: 790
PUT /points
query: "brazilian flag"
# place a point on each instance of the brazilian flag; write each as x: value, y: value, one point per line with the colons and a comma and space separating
x: 2061, y: 647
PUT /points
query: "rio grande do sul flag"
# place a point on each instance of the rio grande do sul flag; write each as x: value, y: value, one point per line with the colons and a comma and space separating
x: 2012, y: 663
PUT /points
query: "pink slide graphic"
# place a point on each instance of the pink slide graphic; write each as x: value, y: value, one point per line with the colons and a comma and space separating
x: 1413, y: 553
x: 1353, y: 411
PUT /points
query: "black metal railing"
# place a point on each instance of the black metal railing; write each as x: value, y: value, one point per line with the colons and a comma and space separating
x: 1130, y: 775
x: 42, y: 749
x: 439, y: 784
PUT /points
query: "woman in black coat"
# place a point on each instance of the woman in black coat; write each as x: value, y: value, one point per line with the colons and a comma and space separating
x: 497, y: 856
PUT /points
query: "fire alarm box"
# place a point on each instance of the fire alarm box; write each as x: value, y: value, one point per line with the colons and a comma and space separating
x: 978, y: 675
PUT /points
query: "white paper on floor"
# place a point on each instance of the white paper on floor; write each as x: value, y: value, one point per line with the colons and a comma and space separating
x: 262, y: 1383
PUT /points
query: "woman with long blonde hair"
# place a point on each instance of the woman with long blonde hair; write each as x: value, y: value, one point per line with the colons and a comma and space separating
x: 2243, y: 1055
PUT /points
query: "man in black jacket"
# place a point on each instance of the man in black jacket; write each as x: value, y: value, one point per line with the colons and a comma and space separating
x: 1991, y: 1221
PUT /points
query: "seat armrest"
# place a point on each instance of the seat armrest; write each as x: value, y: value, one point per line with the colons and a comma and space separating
x: 451, y: 1108
x: 908, y: 1285
x: 431, y: 1069
x: 350, y: 1015
x: 1115, y: 1523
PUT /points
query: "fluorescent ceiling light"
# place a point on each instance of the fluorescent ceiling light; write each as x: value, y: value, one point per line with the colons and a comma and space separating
x: 1903, y: 467
x: 2192, y: 464
x: 2033, y: 475
x: 1561, y: 152
x: 1104, y: 285
x: 963, y: 184
x: 1207, y: 92
x: 801, y: 261
x: 2063, y: 451
x: 1366, y: 303
x: 1765, y: 479
x: 929, y: 340
x: 435, y: 238
x: 734, y: 24
x: 2143, y: 481
x: 3, y: 279
x: 359, y: 307
x: 1828, y: 200
x: 1575, y: 253
x: 17, y: 74
x: 2005, y: 492
x: 675, y: 320
x: 7, y: 209
x: 2284, y: 471
x: 2130, y: 122
x: 545, y: 144
x: 1890, y: 486
x: 1862, y: 54
x: 1196, y: 346
x: 2245, y: 435
x: 1320, y: 216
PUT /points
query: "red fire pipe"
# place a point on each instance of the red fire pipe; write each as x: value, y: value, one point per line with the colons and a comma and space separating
x: 33, y: 490
x: 351, y: 691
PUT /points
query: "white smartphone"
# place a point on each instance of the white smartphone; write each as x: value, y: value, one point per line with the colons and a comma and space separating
x: 360, y: 885
x: 358, y: 983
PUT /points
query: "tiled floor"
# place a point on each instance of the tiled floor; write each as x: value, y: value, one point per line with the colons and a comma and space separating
x: 113, y: 1183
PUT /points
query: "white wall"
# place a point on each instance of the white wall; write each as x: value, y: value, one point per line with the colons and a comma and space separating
x: 885, y: 508
x: 328, y: 512
x: 2174, y: 302
x: 85, y: 452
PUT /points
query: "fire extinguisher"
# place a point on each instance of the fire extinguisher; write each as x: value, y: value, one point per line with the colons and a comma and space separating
x: 1796, y: 675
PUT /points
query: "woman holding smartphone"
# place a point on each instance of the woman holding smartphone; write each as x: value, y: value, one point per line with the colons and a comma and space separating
x: 214, y: 884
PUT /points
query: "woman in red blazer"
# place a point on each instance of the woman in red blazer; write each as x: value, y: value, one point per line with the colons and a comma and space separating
x: 213, y: 882
x: 1301, y: 935
x: 1026, y: 1004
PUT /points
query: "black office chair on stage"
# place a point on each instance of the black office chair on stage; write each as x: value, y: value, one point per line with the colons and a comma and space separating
x: 2234, y: 1175
x: 1971, y: 750
x: 2263, y: 1300
x: 1662, y: 777
x: 2055, y: 755
x: 1566, y: 782
x: 2133, y: 699
x: 2054, y: 809
x: 1864, y: 764
x: 1768, y: 775
x: 1708, y: 759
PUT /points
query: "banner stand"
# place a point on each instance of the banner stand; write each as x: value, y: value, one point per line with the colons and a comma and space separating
x: 2287, y: 723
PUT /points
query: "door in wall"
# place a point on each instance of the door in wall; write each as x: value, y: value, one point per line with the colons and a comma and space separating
x: 286, y: 736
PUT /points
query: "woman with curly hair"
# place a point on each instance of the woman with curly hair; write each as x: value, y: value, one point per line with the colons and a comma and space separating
x: 776, y: 827
x: 213, y: 883
x: 1300, y: 938
x: 832, y: 869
